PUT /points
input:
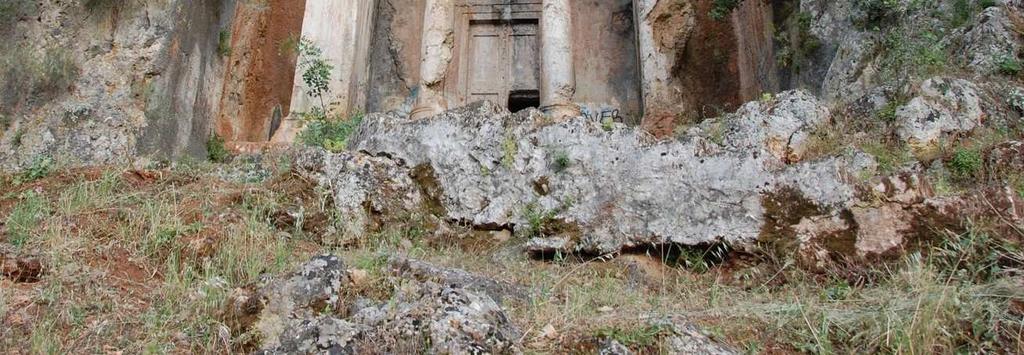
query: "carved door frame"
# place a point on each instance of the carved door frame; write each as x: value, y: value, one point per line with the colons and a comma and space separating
x: 470, y: 11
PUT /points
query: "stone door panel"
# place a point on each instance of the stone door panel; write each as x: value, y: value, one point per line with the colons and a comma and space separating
x: 488, y: 74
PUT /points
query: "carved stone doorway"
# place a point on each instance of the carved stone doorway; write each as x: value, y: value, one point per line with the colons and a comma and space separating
x: 501, y: 52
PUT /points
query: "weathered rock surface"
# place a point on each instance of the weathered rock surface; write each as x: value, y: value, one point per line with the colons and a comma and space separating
x: 942, y: 108
x: 365, y: 187
x: 992, y: 39
x: 611, y: 189
x: 305, y: 293
x: 423, y: 271
x: 293, y: 315
x: 677, y: 337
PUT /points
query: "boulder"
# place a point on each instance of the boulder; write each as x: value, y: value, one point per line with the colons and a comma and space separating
x: 293, y: 317
x: 318, y: 335
x: 781, y: 126
x: 301, y: 295
x: 364, y: 187
x: 943, y: 107
x: 602, y: 190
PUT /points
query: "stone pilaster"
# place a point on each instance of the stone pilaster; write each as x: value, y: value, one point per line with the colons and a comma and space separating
x: 558, y: 79
x: 438, y: 41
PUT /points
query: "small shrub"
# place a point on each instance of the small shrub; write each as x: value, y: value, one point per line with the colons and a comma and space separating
x: 24, y: 218
x: 41, y: 167
x: 974, y: 255
x: 27, y: 78
x: 538, y: 221
x: 1009, y: 65
x: 1016, y: 100
x: 1018, y: 185
x: 19, y: 135
x: 722, y: 8
x: 215, y: 149
x: 329, y: 134
x: 797, y: 45
x: 608, y: 124
x: 878, y: 13
x: 887, y: 113
x: 561, y: 162
x: 11, y: 10
x: 965, y: 163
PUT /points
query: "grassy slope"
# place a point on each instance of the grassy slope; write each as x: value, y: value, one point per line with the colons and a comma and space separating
x: 142, y: 261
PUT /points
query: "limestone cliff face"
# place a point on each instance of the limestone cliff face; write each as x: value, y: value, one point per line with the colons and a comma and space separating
x: 142, y: 77
x: 98, y: 84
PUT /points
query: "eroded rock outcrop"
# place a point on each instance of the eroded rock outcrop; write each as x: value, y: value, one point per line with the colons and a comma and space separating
x: 943, y: 108
x: 296, y: 314
x: 605, y: 190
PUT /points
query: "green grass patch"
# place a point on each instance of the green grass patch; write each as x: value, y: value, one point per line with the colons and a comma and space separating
x: 1009, y: 65
x: 23, y: 221
x: 635, y: 337
x: 966, y: 163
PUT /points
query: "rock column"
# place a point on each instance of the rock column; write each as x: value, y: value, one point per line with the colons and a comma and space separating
x: 558, y: 80
x: 438, y: 41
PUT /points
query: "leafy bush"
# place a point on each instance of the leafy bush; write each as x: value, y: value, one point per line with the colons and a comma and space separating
x: 316, y: 71
x: 215, y: 149
x: 330, y: 134
x: 41, y: 167
x: 722, y: 8
x: 966, y: 163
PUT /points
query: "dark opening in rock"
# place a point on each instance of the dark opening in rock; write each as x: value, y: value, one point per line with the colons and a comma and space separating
x: 519, y: 100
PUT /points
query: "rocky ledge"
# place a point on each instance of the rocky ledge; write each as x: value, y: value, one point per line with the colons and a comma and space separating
x: 584, y: 187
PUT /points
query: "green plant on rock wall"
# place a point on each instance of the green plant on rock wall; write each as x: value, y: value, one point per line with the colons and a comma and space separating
x: 1009, y: 65
x: 316, y: 72
x: 797, y: 45
x: 722, y: 8
x: 966, y: 163
x: 224, y: 43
